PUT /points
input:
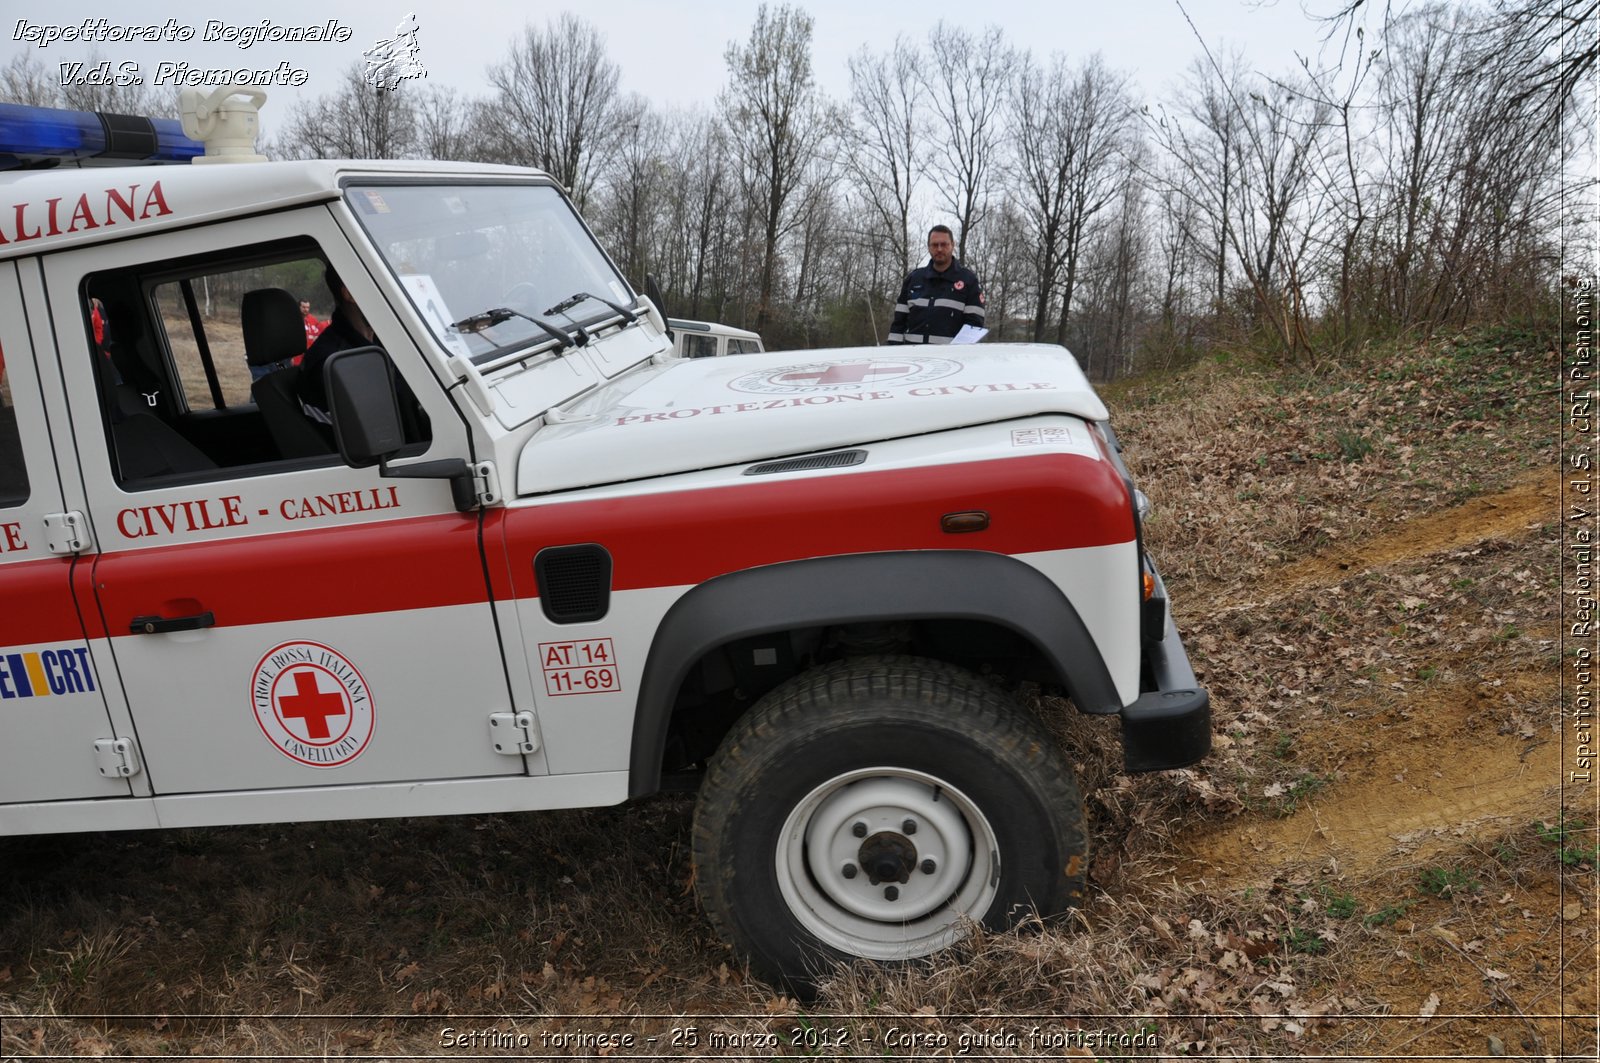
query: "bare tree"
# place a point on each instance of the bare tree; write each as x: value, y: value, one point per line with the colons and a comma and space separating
x: 556, y: 104
x: 1211, y: 152
x: 966, y: 78
x: 1339, y: 88
x: 1278, y: 161
x: 1556, y: 44
x: 1116, y: 276
x: 1265, y: 140
x: 448, y: 124
x: 629, y: 212
x: 705, y: 200
x: 355, y: 121
x: 1071, y: 130
x: 1553, y: 47
x: 814, y: 283
x: 1000, y: 253
x: 889, y: 140
x: 776, y: 120
x: 33, y: 83
x: 1465, y: 187
x: 1422, y: 109
x: 1181, y: 281
x: 26, y: 80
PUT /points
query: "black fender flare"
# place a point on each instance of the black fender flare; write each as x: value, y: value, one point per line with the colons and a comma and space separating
x: 860, y: 588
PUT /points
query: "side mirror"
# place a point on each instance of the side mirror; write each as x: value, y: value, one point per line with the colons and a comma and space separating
x: 365, y: 406
x: 652, y: 291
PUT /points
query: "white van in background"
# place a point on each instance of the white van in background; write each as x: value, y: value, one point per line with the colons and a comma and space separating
x: 707, y: 339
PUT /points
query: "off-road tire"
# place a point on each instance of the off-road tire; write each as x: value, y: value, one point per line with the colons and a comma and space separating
x: 881, y: 741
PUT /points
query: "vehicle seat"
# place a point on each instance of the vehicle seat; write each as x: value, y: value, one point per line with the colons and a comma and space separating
x: 136, y: 381
x: 122, y: 400
x: 132, y: 396
x: 148, y: 446
x: 275, y: 333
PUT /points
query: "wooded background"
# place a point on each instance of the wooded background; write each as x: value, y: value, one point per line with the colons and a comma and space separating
x: 1437, y: 171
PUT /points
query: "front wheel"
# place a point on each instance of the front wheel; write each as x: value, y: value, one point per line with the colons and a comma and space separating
x: 872, y: 808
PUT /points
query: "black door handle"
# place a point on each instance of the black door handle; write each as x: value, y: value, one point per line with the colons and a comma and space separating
x: 155, y: 625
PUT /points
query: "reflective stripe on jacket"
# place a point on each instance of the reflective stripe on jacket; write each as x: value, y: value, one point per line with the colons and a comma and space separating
x: 933, y: 306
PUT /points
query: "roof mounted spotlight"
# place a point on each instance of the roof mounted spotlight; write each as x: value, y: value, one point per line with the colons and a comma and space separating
x: 225, y: 125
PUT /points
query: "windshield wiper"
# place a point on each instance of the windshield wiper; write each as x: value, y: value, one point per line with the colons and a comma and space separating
x: 501, y: 314
x: 628, y: 316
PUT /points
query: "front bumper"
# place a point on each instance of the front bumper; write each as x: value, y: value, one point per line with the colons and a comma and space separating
x: 1168, y: 726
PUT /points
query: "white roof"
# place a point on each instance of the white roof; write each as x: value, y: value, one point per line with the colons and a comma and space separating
x: 46, y: 210
x: 712, y: 328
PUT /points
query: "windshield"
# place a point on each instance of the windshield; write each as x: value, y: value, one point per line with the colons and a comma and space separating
x: 460, y: 250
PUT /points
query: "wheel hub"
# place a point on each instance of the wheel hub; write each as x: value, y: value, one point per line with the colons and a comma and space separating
x: 888, y: 857
x: 887, y: 849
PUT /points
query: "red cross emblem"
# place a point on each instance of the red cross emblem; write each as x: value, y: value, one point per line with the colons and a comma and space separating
x: 810, y: 377
x: 845, y: 374
x: 310, y: 705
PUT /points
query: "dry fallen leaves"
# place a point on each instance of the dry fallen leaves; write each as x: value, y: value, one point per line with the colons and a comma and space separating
x: 1428, y: 1008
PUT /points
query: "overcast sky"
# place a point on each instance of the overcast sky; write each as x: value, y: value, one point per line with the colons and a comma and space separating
x: 672, y: 52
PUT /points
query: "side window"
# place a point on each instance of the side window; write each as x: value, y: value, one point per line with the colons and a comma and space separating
x: 202, y: 363
x: 217, y: 326
x: 699, y: 345
x: 744, y: 346
x: 13, y: 477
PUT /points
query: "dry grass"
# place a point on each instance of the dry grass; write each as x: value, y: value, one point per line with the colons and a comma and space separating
x: 1239, y: 910
x: 1251, y: 470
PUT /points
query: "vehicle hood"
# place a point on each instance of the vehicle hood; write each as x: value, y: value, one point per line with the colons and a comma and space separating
x: 689, y: 414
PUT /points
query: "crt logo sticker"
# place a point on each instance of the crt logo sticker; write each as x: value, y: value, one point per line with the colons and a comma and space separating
x: 312, y: 704
x: 41, y: 673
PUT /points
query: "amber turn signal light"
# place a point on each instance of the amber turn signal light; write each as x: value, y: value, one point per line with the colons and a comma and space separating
x: 971, y: 520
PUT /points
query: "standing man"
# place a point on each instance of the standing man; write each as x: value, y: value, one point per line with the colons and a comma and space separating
x: 937, y: 299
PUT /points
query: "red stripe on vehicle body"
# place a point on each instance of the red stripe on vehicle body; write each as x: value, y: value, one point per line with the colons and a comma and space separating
x: 38, y: 603
x: 1035, y: 503
x: 377, y: 567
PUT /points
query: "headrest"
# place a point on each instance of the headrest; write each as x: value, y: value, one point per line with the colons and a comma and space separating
x: 274, y: 331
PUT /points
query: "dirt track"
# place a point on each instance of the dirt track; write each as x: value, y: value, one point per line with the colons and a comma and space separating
x: 1442, y: 782
x: 1439, y: 777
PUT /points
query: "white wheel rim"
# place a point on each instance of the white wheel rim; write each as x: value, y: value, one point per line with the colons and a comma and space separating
x: 853, y: 828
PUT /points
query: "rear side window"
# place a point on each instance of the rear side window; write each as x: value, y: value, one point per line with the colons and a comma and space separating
x: 13, y: 477
x: 696, y: 345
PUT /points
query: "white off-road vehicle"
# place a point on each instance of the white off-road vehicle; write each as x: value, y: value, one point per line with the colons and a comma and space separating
x: 530, y: 559
x: 711, y: 339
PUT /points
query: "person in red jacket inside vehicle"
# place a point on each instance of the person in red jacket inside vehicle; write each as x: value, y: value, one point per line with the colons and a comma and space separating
x: 314, y: 325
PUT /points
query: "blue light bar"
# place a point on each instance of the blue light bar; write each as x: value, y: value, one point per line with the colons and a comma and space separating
x: 41, y: 137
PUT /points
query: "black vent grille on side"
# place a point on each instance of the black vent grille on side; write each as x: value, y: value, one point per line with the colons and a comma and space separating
x: 837, y: 460
x: 574, y: 582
